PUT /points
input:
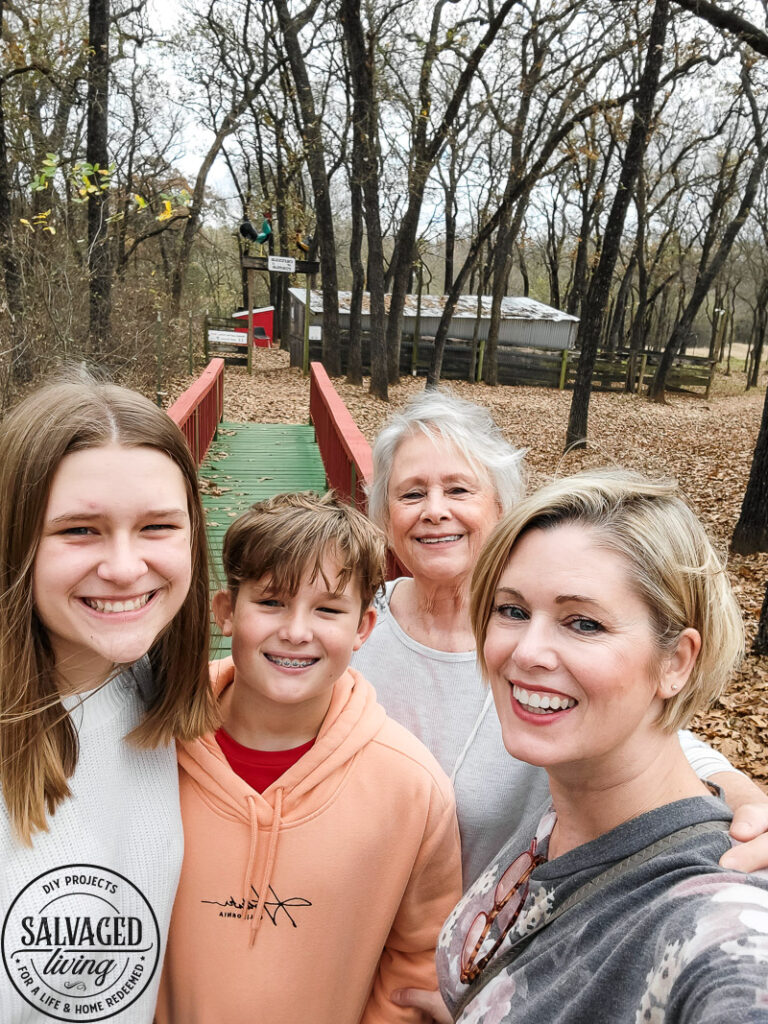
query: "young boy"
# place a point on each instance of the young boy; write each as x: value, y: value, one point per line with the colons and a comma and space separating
x: 321, y: 845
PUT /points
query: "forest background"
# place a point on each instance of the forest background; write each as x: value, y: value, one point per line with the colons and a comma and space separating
x: 607, y: 159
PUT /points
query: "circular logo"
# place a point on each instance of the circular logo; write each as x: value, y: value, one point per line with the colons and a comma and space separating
x: 80, y: 942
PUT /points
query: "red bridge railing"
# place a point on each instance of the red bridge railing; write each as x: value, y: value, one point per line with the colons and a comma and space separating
x: 200, y: 409
x: 346, y: 453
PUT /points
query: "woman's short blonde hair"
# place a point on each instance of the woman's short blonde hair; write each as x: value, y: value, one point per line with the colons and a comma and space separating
x: 671, y: 564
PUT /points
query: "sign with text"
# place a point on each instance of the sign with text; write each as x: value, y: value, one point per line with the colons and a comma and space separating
x: 262, y: 263
x: 282, y: 264
x: 227, y: 337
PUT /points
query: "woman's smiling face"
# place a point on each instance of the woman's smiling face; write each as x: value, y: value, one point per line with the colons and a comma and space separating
x: 441, y: 510
x: 571, y: 651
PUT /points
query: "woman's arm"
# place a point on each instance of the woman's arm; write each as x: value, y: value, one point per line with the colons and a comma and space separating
x: 746, y: 799
x: 750, y: 822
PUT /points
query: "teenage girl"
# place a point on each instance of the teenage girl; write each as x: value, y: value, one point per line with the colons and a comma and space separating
x: 103, y: 662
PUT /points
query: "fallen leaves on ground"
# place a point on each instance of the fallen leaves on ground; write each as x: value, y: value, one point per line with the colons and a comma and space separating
x: 706, y: 445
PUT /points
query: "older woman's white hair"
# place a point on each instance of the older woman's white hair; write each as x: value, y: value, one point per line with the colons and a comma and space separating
x: 467, y: 427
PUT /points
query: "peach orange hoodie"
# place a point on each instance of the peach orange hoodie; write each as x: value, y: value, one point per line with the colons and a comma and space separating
x: 312, y: 901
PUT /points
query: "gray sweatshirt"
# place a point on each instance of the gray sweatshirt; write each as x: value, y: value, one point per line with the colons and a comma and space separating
x: 676, y: 940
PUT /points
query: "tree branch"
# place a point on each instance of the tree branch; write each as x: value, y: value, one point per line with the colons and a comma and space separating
x: 720, y: 18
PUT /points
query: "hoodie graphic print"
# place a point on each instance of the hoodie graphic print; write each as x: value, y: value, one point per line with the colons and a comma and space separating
x: 318, y: 897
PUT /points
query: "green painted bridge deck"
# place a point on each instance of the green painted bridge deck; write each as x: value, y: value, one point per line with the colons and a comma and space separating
x: 248, y: 462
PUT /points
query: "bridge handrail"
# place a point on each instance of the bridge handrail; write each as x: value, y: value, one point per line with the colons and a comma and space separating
x: 346, y: 453
x: 200, y: 409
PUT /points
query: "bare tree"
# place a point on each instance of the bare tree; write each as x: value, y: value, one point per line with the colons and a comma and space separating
x: 232, y: 73
x: 290, y: 27
x: 709, y: 268
x: 426, y: 144
x: 573, y: 80
x: 597, y: 298
x: 366, y: 173
x: 20, y: 356
x: 99, y: 268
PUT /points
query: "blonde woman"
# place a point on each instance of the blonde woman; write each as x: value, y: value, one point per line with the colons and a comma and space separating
x: 605, y: 622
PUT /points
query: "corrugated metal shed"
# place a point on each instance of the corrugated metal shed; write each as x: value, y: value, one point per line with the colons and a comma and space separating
x: 524, y: 322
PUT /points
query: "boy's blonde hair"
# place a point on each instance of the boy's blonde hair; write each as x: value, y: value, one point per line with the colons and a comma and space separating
x: 283, y: 538
x: 38, y: 743
x: 671, y: 565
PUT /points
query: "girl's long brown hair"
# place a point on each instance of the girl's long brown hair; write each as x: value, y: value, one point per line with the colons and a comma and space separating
x: 38, y: 743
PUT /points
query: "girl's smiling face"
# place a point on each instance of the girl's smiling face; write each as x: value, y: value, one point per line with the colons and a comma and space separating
x: 571, y: 652
x: 113, y: 565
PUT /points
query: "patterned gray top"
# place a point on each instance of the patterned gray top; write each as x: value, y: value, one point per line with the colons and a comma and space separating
x: 676, y: 939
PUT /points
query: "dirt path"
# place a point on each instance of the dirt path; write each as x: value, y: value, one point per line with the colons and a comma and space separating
x: 706, y: 445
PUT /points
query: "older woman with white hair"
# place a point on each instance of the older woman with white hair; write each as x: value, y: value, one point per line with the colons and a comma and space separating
x: 443, y: 477
x: 605, y: 622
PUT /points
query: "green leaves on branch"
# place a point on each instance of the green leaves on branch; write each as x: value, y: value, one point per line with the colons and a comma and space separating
x: 87, y: 180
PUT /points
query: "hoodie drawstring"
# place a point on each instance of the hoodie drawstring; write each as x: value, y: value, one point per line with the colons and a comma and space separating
x: 266, y: 877
x: 253, y: 822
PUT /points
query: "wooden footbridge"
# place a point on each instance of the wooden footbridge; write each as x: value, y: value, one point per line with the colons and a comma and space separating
x: 240, y: 463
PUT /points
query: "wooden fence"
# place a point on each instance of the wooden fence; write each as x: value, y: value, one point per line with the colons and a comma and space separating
x: 200, y: 409
x: 619, y: 371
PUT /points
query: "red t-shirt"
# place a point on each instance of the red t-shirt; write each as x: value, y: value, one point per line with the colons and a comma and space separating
x: 259, y: 768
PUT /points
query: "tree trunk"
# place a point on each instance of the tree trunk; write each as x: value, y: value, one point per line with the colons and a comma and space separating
x: 99, y: 263
x: 365, y: 144
x: 616, y: 333
x: 751, y: 533
x: 354, y: 351
x: 760, y: 322
x: 760, y: 646
x: 21, y: 361
x: 400, y: 271
x: 581, y: 263
x: 449, y: 191
x: 523, y: 267
x: 315, y: 151
x: 591, y: 324
x: 280, y: 281
x: 501, y: 255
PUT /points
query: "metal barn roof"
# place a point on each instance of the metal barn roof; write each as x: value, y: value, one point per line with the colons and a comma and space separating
x: 512, y: 307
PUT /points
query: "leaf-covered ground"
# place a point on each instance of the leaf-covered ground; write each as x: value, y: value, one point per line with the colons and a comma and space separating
x: 706, y: 445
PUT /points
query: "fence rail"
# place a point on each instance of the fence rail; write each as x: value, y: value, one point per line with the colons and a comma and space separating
x: 200, y: 409
x: 621, y: 370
